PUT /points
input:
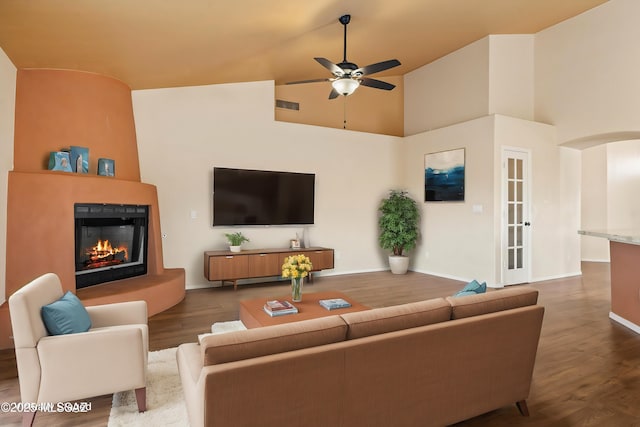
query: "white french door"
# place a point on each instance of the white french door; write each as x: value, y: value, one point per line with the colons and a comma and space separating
x: 516, y: 225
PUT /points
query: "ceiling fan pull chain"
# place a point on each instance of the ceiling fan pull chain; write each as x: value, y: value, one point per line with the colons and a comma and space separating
x: 344, y: 112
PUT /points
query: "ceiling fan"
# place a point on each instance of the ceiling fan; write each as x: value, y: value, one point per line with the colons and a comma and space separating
x: 347, y: 76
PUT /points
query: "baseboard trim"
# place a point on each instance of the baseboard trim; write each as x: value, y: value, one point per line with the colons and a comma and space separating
x: 624, y: 322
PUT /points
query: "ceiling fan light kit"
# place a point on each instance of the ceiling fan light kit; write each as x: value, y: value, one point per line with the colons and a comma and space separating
x: 347, y: 76
x: 345, y: 86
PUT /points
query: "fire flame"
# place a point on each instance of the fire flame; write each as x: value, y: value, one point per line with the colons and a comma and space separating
x: 103, y: 250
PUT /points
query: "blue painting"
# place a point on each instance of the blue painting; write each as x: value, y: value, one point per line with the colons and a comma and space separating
x: 444, y: 176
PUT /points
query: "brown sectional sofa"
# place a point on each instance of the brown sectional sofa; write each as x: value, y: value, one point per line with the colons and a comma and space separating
x: 429, y: 363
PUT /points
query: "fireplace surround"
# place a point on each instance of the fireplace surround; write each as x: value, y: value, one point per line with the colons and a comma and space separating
x: 110, y: 242
x: 56, y: 108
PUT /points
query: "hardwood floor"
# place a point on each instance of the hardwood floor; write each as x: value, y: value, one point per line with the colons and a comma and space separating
x: 587, y: 370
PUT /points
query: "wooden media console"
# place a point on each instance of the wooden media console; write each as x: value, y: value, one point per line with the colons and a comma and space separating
x: 227, y: 266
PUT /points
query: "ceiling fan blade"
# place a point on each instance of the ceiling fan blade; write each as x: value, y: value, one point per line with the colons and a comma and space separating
x: 307, y: 81
x: 337, y: 71
x: 377, y: 67
x: 334, y: 94
x: 378, y: 84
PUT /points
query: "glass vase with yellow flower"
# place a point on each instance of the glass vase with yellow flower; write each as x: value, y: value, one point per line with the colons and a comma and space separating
x: 296, y: 267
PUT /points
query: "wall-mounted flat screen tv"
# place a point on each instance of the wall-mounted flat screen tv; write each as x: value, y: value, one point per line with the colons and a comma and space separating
x: 259, y: 197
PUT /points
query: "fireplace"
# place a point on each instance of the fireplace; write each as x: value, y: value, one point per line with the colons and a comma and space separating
x: 110, y: 242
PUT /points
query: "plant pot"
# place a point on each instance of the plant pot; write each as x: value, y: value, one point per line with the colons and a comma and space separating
x: 234, y: 248
x: 398, y: 264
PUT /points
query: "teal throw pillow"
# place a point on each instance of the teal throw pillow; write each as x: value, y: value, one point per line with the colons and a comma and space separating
x: 473, y: 286
x: 463, y: 293
x: 66, y: 316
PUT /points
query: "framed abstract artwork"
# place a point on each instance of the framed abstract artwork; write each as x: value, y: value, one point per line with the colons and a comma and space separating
x: 444, y: 176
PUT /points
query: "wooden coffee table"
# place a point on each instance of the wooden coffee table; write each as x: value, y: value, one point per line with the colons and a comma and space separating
x: 253, y: 316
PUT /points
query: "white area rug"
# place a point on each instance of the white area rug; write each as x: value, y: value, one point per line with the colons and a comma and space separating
x: 165, y: 400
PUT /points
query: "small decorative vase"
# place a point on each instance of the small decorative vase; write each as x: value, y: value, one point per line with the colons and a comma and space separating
x: 296, y: 289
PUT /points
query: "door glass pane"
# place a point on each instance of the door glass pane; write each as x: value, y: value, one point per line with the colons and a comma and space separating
x: 511, y: 196
x: 511, y: 214
x: 519, y: 214
x: 520, y: 258
x: 519, y: 243
x: 519, y: 191
x: 519, y: 169
x: 511, y: 259
x: 511, y: 173
x: 511, y: 236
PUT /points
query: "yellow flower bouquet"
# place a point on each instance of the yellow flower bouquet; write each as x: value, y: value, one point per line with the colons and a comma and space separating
x: 296, y: 267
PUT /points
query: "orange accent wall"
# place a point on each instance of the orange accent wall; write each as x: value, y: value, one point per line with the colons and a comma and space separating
x: 59, y: 108
x: 40, y: 220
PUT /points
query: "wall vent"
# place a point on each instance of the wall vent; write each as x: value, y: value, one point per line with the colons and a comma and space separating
x: 287, y: 105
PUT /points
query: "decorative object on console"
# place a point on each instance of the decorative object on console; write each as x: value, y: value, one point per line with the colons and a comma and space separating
x: 398, y: 228
x: 235, y: 241
x: 79, y: 159
x: 106, y: 167
x: 59, y: 161
x: 296, y: 267
x: 444, y: 176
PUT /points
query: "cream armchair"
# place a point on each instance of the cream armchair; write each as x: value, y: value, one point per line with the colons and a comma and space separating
x: 110, y: 357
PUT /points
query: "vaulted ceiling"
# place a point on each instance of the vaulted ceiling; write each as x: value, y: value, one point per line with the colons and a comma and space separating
x: 171, y: 43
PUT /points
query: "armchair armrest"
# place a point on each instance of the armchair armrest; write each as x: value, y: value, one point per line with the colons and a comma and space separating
x: 91, y: 363
x: 123, y: 313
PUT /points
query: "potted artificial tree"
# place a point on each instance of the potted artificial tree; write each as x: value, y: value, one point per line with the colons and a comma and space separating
x: 398, y: 228
x: 235, y: 240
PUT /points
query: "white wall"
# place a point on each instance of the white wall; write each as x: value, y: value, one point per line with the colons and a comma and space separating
x: 623, y: 185
x: 452, y: 89
x: 594, y: 203
x: 587, y: 72
x: 511, y: 65
x: 7, y: 115
x: 461, y: 242
x: 493, y: 75
x: 184, y: 132
x: 454, y: 241
x: 555, y: 196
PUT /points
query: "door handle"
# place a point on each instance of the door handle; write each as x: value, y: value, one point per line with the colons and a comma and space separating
x: 527, y: 224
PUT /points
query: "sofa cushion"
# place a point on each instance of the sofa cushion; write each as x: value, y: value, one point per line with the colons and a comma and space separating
x: 65, y: 316
x: 490, y: 302
x: 388, y: 319
x: 240, y: 345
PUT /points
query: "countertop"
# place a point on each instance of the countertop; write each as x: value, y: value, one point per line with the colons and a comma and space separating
x: 630, y: 236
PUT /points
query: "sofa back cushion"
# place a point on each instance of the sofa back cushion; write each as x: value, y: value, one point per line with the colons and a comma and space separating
x: 240, y: 345
x: 394, y: 318
x: 491, y: 302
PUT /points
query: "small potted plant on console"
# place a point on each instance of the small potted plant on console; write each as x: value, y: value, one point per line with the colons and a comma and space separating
x: 235, y: 240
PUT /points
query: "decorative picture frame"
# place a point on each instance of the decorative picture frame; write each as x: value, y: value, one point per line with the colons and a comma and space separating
x: 106, y: 167
x: 444, y: 176
x: 79, y: 159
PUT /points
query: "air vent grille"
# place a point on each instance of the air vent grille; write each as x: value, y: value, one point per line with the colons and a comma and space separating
x: 287, y: 105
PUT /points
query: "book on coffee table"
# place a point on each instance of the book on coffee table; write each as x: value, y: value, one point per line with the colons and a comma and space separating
x: 334, y: 303
x: 279, y: 308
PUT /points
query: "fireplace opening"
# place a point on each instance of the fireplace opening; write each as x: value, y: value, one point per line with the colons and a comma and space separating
x: 110, y: 242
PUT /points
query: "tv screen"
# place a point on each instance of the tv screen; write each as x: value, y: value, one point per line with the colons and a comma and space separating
x: 257, y: 197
